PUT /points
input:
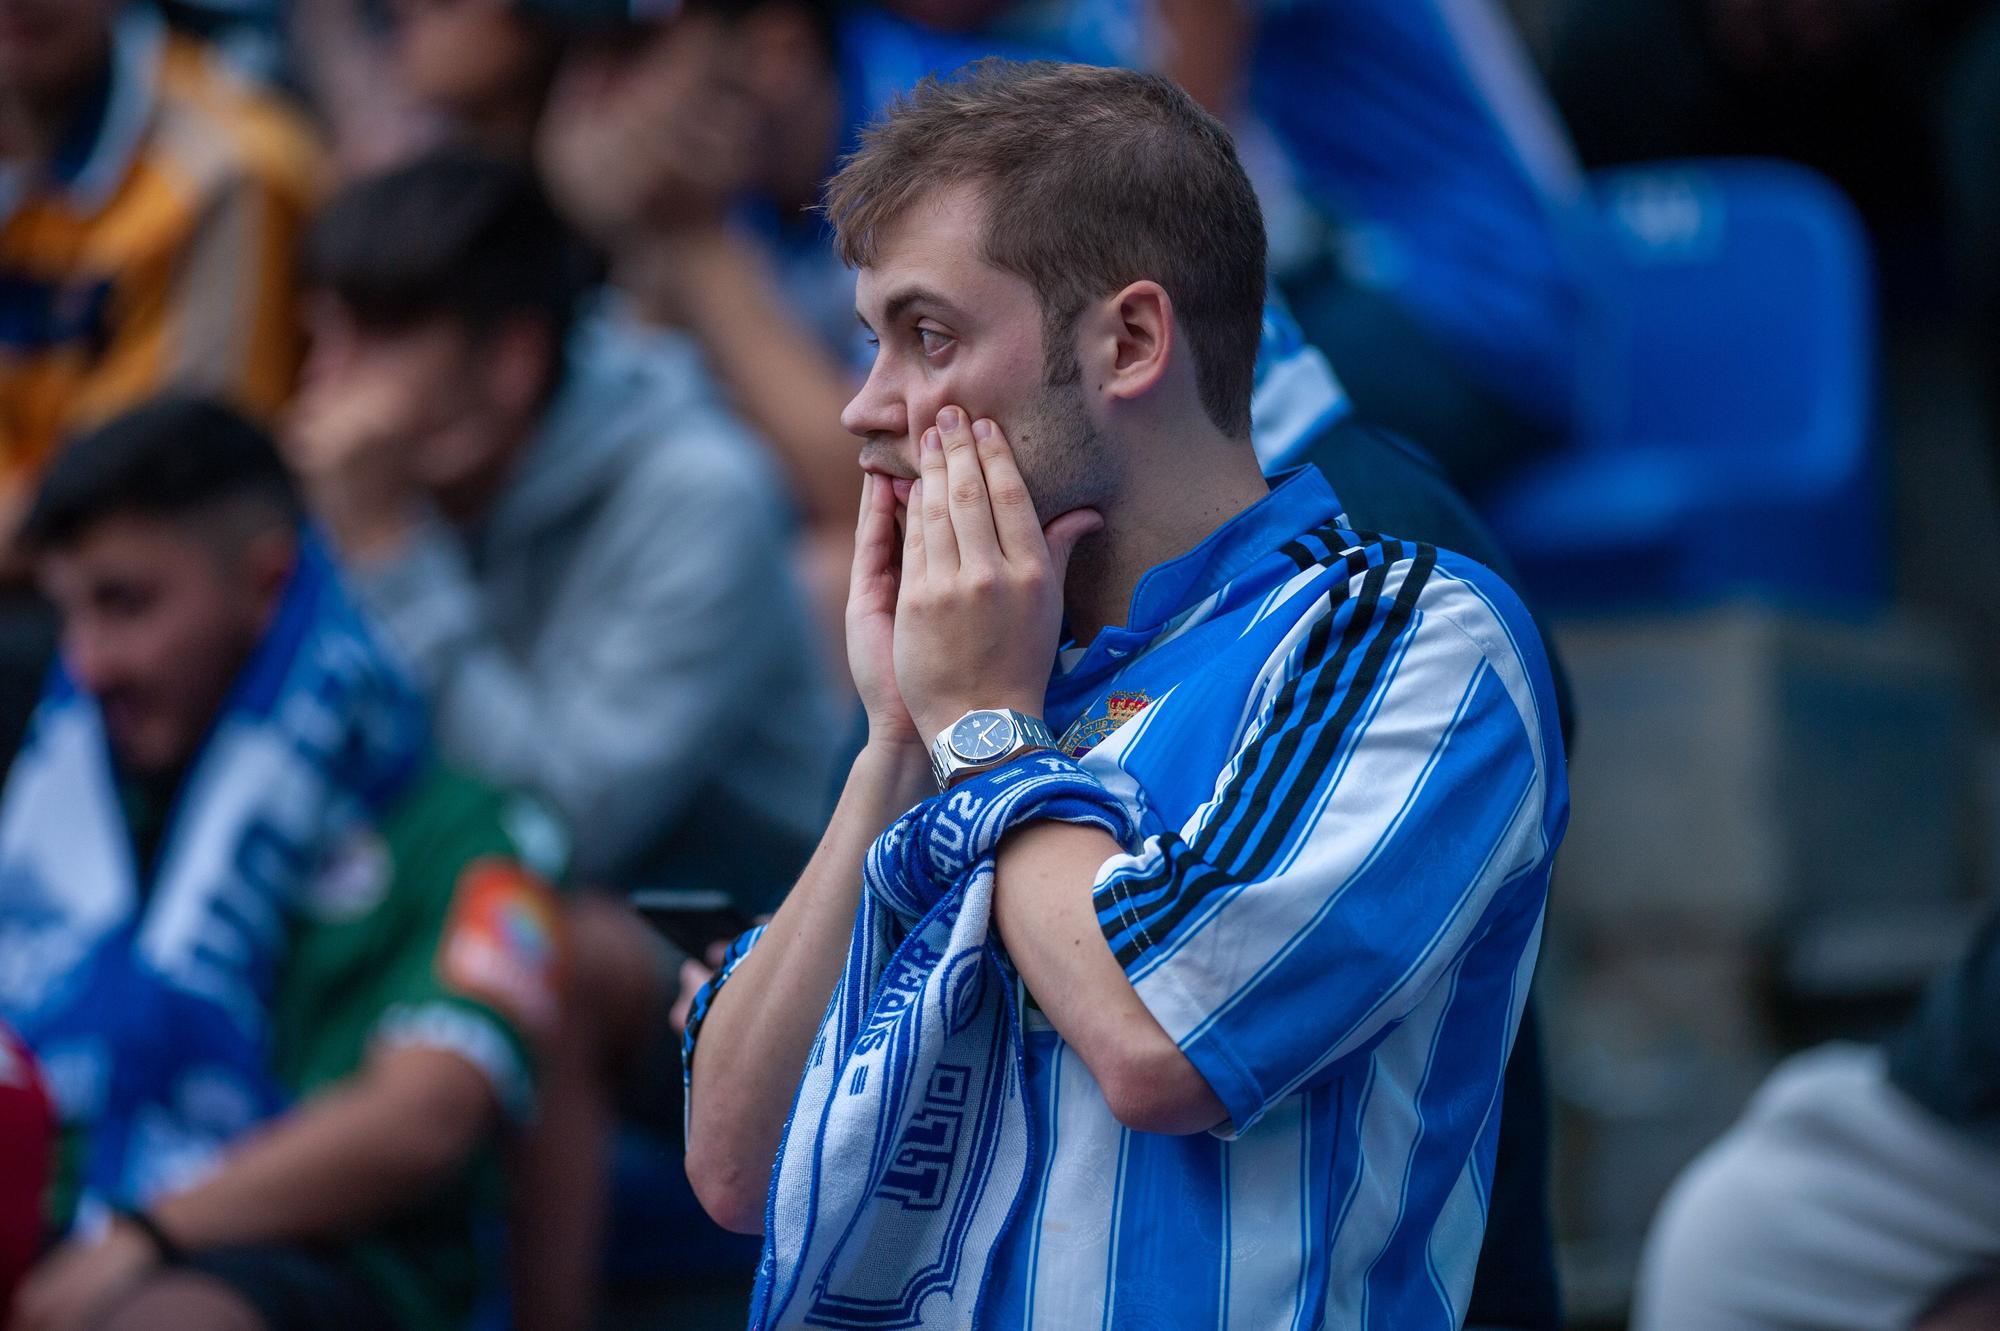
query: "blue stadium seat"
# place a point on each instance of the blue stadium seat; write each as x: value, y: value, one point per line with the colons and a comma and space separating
x: 1726, y: 421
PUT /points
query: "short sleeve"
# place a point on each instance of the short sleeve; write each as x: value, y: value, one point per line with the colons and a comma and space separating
x: 489, y: 986
x: 1395, y: 799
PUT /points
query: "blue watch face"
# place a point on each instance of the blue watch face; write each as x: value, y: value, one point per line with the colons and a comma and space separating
x: 982, y: 736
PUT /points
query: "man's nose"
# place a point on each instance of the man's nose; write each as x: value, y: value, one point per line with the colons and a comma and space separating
x: 876, y: 410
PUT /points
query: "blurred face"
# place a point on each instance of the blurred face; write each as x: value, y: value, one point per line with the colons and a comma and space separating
x: 951, y: 329
x: 156, y: 622
x: 51, y: 47
x: 464, y: 57
x: 457, y: 403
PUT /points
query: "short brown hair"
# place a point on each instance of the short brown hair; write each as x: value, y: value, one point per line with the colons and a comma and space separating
x: 1093, y: 179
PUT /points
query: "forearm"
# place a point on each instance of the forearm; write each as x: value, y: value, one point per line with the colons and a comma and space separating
x: 1048, y: 923
x: 716, y: 282
x: 752, y: 1047
x: 344, y: 1160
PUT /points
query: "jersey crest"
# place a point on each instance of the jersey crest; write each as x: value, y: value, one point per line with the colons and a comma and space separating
x: 1095, y: 726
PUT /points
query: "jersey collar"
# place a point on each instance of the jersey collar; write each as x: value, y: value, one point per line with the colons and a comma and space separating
x: 1300, y: 501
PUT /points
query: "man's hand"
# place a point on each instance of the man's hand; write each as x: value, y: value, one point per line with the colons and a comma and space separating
x: 78, y: 1281
x: 980, y: 603
x: 695, y: 972
x: 350, y: 441
x: 872, y: 594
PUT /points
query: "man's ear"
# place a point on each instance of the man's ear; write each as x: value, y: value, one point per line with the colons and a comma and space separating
x: 1127, y: 341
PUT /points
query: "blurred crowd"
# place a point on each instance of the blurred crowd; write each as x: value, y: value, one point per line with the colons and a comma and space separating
x: 424, y: 471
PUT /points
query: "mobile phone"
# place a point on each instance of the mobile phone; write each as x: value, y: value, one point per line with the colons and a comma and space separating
x: 692, y: 918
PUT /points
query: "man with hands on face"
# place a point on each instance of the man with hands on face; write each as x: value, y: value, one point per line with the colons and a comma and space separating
x: 1264, y: 855
x: 290, y: 977
x: 573, y: 542
x: 583, y: 557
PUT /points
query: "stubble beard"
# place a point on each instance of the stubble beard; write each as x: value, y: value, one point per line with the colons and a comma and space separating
x: 1061, y: 455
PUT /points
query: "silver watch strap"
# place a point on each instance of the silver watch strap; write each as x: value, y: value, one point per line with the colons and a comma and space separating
x: 1030, y: 732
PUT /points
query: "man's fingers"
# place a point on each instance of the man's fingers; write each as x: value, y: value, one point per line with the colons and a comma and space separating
x: 876, y: 524
x: 875, y: 532
x: 932, y: 511
x: 971, y: 511
x: 867, y: 505
x: 694, y: 974
x: 1012, y: 508
x: 914, y: 561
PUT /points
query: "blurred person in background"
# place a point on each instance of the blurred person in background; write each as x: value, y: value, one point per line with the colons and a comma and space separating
x: 27, y: 1162
x: 149, y: 226
x: 586, y: 559
x: 250, y: 33
x: 394, y: 77
x: 1448, y: 287
x: 284, y: 970
x: 1860, y: 1191
x: 564, y: 531
x: 479, y: 69
x: 694, y: 153
x: 151, y: 204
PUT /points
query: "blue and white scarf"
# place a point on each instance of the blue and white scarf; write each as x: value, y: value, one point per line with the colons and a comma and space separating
x: 909, y: 1144
x: 149, y: 1011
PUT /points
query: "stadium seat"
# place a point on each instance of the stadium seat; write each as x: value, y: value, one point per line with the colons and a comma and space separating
x: 1726, y: 417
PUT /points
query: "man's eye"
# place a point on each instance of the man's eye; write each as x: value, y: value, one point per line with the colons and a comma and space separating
x: 933, y: 341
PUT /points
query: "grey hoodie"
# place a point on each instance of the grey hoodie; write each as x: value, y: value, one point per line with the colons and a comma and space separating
x: 623, y: 635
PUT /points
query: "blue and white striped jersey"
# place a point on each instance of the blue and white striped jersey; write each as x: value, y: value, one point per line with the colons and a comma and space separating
x: 1349, y: 806
x: 1343, y: 756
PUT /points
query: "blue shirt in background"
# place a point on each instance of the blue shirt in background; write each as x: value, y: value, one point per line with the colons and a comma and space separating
x: 1419, y: 128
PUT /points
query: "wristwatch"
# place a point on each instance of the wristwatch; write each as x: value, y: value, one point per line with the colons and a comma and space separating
x: 982, y: 740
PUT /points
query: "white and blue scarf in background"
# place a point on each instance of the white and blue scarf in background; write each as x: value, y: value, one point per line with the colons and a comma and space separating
x: 149, y: 1007
x: 910, y: 1144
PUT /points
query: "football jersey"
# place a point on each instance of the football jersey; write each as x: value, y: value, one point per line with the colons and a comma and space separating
x: 160, y: 250
x: 428, y: 931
